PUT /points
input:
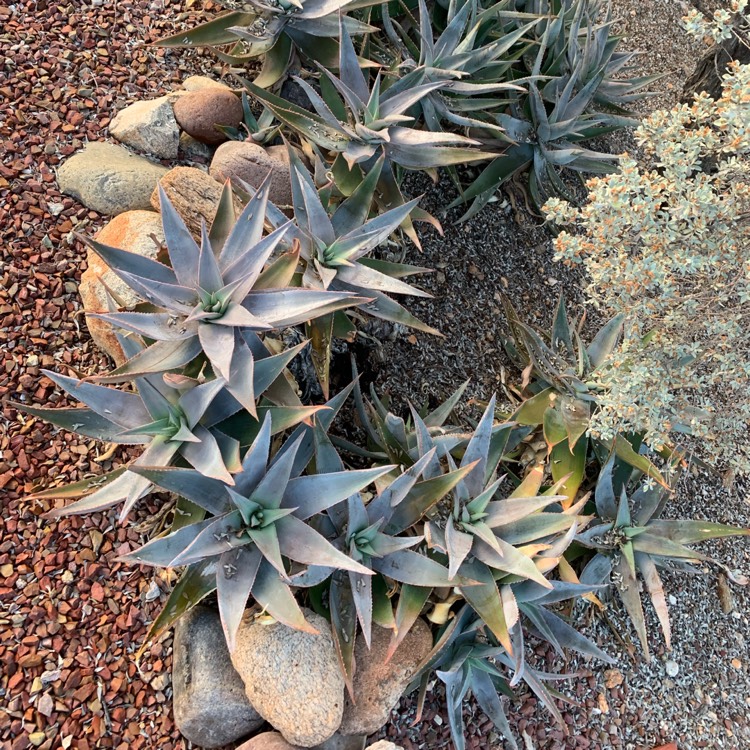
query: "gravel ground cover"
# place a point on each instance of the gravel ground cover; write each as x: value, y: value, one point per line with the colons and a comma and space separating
x: 72, y: 618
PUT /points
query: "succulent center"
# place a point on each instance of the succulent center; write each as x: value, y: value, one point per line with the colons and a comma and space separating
x: 214, y: 304
x: 253, y: 515
x: 360, y: 543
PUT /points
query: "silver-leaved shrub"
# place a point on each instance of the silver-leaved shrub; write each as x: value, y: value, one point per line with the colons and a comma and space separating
x: 666, y: 241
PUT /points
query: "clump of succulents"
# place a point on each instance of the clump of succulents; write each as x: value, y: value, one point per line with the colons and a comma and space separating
x: 457, y: 524
x: 358, y: 121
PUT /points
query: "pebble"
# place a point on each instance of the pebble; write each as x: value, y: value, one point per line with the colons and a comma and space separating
x: 672, y: 668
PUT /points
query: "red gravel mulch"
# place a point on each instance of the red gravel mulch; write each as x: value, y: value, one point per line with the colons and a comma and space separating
x: 71, y: 618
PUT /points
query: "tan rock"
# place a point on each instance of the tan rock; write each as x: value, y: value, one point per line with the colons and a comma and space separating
x: 250, y: 162
x: 292, y: 678
x: 199, y: 112
x: 137, y: 231
x: 267, y: 741
x: 194, y: 194
x: 198, y: 83
x: 275, y: 741
x: 378, y: 685
x: 384, y: 745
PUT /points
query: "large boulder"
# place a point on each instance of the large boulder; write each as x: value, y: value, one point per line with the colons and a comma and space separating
x: 199, y: 112
x: 149, y: 126
x: 137, y: 231
x: 378, y: 685
x: 210, y: 705
x: 109, y: 179
x: 250, y: 162
x: 194, y: 194
x: 292, y: 678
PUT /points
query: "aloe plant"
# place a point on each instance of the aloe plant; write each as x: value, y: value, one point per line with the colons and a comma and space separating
x: 469, y: 57
x: 277, y: 31
x: 561, y: 382
x: 363, y: 123
x: 468, y: 658
x: 576, y: 92
x: 261, y: 130
x: 384, y: 536
x: 335, y: 242
x: 496, y: 542
x: 173, y: 416
x: 259, y: 526
x: 632, y: 540
x: 212, y: 295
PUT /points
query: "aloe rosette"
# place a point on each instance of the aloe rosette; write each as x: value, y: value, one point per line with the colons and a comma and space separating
x: 214, y: 295
x: 259, y: 527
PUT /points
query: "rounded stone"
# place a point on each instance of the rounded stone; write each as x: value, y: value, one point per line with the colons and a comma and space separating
x: 247, y: 161
x: 292, y: 678
x: 137, y: 231
x: 267, y: 741
x: 109, y: 179
x: 199, y: 112
x: 379, y: 685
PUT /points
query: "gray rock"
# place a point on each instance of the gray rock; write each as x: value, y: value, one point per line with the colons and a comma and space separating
x: 198, y: 83
x: 109, y: 179
x: 148, y: 126
x: 210, y: 705
x: 343, y: 742
x: 292, y: 678
x: 378, y: 685
x: 250, y: 162
x: 137, y: 231
x: 199, y: 112
x: 192, y: 150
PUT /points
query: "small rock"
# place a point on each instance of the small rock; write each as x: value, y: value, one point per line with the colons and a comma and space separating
x: 194, y: 195
x: 613, y: 678
x: 192, y: 150
x: 267, y: 741
x: 210, y: 706
x: 343, y: 742
x: 55, y: 209
x: 275, y: 741
x: 109, y: 179
x: 384, y: 745
x: 148, y: 126
x: 199, y: 112
x: 137, y: 231
x: 672, y: 668
x: 250, y: 162
x: 292, y: 678
x: 378, y: 685
x: 200, y: 83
